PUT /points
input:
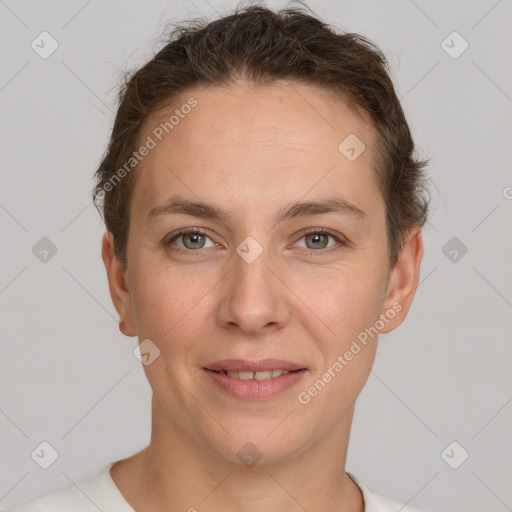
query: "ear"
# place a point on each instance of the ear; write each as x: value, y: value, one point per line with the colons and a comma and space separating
x: 120, y: 293
x: 403, y: 280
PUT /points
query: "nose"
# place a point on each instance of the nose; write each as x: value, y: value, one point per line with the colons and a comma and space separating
x: 254, y: 298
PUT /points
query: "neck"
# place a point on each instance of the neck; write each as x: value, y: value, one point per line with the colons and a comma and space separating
x: 175, y: 472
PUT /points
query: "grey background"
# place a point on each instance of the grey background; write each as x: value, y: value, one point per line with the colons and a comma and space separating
x: 69, y: 377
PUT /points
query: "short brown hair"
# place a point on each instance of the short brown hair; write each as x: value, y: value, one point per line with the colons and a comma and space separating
x: 260, y: 46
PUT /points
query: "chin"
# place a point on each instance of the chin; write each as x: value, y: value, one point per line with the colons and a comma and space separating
x: 257, y: 442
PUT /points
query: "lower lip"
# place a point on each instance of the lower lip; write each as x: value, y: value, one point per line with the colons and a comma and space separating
x: 255, y: 389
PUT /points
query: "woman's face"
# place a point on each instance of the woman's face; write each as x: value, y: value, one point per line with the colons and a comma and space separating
x: 255, y: 289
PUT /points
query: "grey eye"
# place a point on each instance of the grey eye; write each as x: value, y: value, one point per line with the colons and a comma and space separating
x: 318, y: 240
x: 193, y: 240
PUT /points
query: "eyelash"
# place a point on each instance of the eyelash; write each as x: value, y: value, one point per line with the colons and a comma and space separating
x: 341, y: 242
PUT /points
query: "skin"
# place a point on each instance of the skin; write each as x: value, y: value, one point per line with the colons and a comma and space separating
x: 254, y: 151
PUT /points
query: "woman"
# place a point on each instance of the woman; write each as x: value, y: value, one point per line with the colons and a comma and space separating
x: 264, y: 210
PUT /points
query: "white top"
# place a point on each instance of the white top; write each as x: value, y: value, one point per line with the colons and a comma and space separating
x: 99, y: 492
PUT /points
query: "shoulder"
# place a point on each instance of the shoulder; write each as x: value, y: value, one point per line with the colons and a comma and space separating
x: 88, y: 495
x: 375, y: 502
x: 56, y: 501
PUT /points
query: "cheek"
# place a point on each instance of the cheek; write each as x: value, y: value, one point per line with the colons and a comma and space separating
x: 347, y: 303
x: 163, y: 300
x: 168, y: 317
x: 349, y: 307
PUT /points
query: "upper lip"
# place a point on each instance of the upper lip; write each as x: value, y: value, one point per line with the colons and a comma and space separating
x: 253, y: 366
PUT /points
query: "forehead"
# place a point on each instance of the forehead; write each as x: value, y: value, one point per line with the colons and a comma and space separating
x: 284, y: 112
x: 261, y: 143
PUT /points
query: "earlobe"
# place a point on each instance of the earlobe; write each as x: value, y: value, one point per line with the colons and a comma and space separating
x: 404, y: 280
x: 122, y: 328
x: 119, y: 292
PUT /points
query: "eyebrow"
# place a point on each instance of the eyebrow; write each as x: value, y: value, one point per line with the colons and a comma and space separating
x: 177, y: 204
